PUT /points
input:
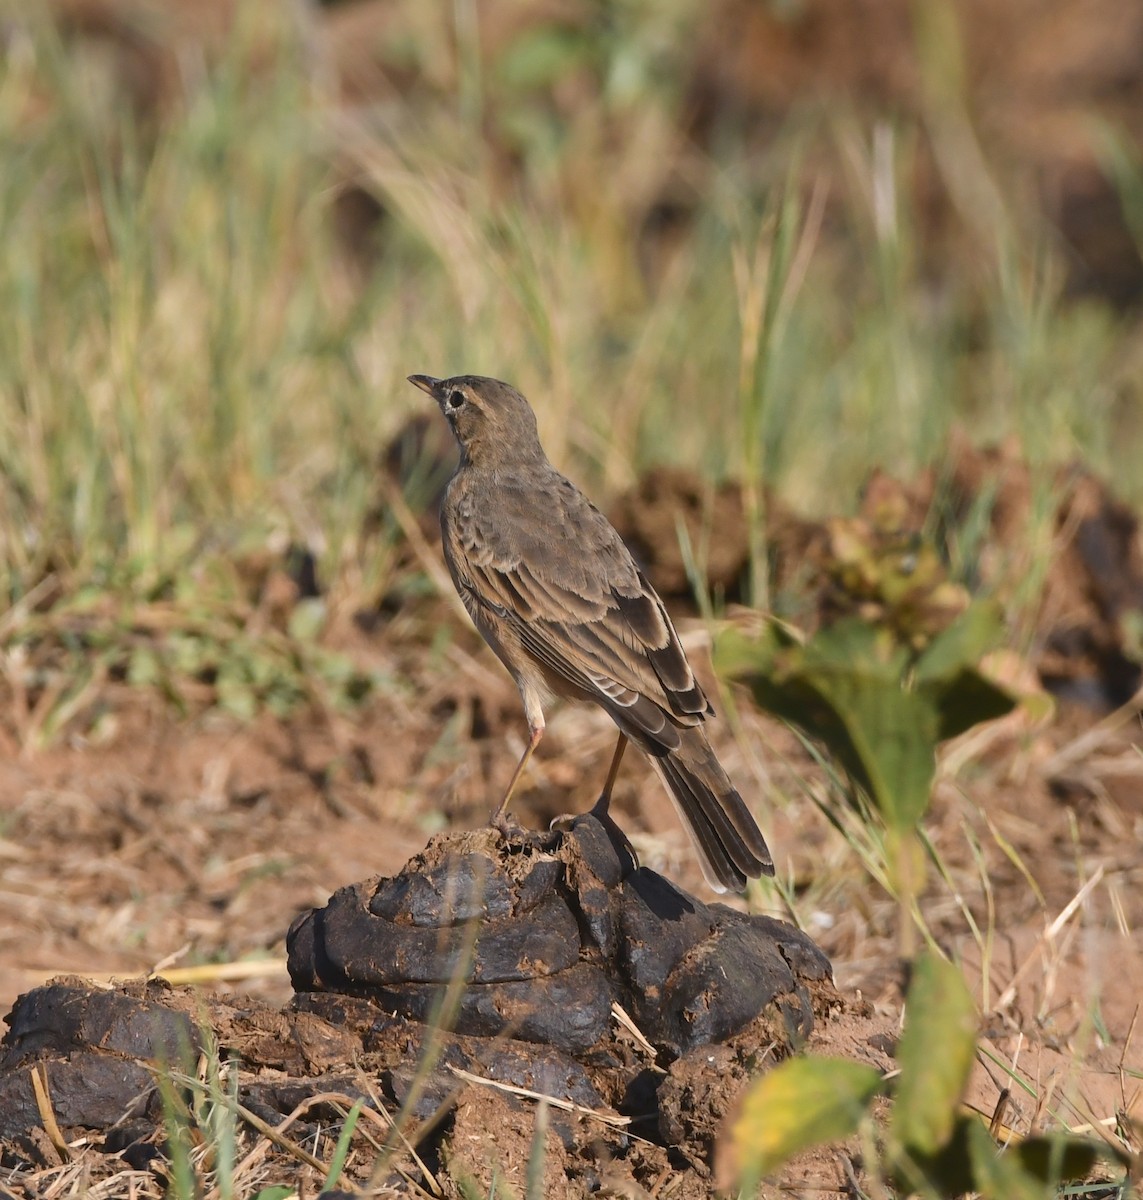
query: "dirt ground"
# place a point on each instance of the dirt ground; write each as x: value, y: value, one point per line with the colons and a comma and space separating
x: 195, y: 843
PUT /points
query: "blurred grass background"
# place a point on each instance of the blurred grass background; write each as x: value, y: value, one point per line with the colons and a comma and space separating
x: 763, y: 240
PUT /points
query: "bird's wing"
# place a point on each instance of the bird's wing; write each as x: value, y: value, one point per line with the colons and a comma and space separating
x: 571, y: 592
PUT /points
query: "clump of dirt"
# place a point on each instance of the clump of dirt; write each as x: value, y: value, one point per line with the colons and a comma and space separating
x: 532, y: 942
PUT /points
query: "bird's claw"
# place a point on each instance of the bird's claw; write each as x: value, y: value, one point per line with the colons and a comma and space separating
x: 505, y: 824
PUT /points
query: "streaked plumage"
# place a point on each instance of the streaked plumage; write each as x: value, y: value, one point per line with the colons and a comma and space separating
x: 555, y: 592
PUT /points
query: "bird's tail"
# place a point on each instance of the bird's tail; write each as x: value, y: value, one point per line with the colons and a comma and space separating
x: 730, y: 846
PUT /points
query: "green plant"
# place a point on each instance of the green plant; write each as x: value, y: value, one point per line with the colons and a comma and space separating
x: 207, y: 1128
x: 882, y: 685
x: 880, y: 709
x: 929, y: 1146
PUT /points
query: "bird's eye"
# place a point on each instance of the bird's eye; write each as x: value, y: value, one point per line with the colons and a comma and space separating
x: 455, y: 400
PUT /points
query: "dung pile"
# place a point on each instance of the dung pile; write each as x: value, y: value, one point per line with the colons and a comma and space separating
x: 486, y: 972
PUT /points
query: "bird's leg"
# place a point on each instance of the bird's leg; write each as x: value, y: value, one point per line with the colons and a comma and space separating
x: 604, y: 802
x: 600, y: 811
x: 535, y: 733
x: 618, y: 839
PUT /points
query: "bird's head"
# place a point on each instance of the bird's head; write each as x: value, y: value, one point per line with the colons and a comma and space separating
x: 490, y: 419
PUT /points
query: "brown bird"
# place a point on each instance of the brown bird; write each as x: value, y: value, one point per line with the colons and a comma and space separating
x: 556, y: 594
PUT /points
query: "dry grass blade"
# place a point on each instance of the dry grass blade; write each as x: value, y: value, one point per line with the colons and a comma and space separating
x: 1132, y: 1104
x: 1091, y: 739
x: 39, y: 1077
x: 224, y: 972
x: 176, y: 976
x: 1049, y: 934
x: 380, y: 1115
x: 279, y: 1130
x: 439, y: 1024
x: 624, y: 1018
x: 268, y: 1131
x: 430, y: 561
x: 283, y: 1143
x: 27, y: 603
x: 75, y: 1179
x: 614, y: 1120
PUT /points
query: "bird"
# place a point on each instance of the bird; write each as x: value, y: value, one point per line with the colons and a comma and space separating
x: 556, y: 593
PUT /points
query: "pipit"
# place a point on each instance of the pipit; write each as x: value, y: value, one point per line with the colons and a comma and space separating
x: 556, y: 594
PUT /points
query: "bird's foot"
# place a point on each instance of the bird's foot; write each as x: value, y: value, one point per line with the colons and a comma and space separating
x: 506, y: 825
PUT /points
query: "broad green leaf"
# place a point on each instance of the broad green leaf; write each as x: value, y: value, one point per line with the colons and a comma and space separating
x: 858, y: 647
x: 948, y: 1172
x: 736, y: 655
x: 800, y: 1103
x: 963, y: 644
x: 1057, y: 1158
x: 889, y: 744
x: 965, y: 700
x: 935, y: 1053
x: 799, y: 702
x: 845, y: 688
x: 1000, y: 1175
x: 970, y: 1161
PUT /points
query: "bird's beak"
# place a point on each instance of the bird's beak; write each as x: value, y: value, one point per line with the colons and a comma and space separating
x: 427, y: 384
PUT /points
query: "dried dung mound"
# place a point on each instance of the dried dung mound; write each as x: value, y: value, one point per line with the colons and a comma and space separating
x: 486, y: 973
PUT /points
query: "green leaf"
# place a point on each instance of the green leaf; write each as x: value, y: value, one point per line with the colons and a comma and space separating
x: 965, y: 700
x: 935, y: 1053
x: 848, y: 687
x: 1057, y: 1158
x: 341, y: 1150
x: 948, y: 1172
x: 845, y: 687
x: 963, y: 644
x: 278, y: 1191
x: 997, y: 1175
x: 889, y: 743
x: 800, y: 1103
x: 859, y: 647
x: 970, y: 1161
x: 735, y: 655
